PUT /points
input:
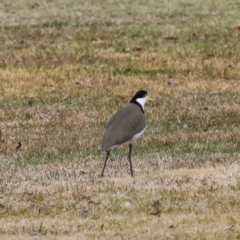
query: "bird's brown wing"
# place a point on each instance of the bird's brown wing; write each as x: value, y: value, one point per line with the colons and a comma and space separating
x: 123, y: 125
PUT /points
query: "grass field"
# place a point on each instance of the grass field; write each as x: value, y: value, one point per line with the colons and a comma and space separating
x: 66, y: 66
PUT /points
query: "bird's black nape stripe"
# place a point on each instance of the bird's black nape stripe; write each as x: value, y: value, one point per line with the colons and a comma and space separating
x: 139, y: 94
x: 135, y: 102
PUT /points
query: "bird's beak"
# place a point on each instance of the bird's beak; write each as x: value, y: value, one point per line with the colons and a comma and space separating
x: 149, y: 99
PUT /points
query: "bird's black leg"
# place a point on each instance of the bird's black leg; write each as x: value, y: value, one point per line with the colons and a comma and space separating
x: 108, y: 153
x: 129, y: 157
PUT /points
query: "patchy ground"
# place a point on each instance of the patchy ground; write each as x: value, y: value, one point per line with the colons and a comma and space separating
x: 65, y: 67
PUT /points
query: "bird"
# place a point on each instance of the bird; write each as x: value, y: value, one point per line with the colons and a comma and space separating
x: 125, y: 126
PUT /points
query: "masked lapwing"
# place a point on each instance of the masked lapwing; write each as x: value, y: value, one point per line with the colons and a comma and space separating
x: 125, y: 126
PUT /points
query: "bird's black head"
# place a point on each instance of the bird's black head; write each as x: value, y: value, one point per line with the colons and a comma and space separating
x: 139, y: 94
x: 140, y: 98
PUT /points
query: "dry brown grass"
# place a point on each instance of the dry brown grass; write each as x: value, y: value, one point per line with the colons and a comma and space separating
x: 71, y: 202
x: 66, y: 67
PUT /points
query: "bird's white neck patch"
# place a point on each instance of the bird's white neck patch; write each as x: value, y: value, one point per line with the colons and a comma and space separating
x: 142, y: 101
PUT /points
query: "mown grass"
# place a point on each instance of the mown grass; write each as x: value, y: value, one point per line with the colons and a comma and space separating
x: 65, y: 67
